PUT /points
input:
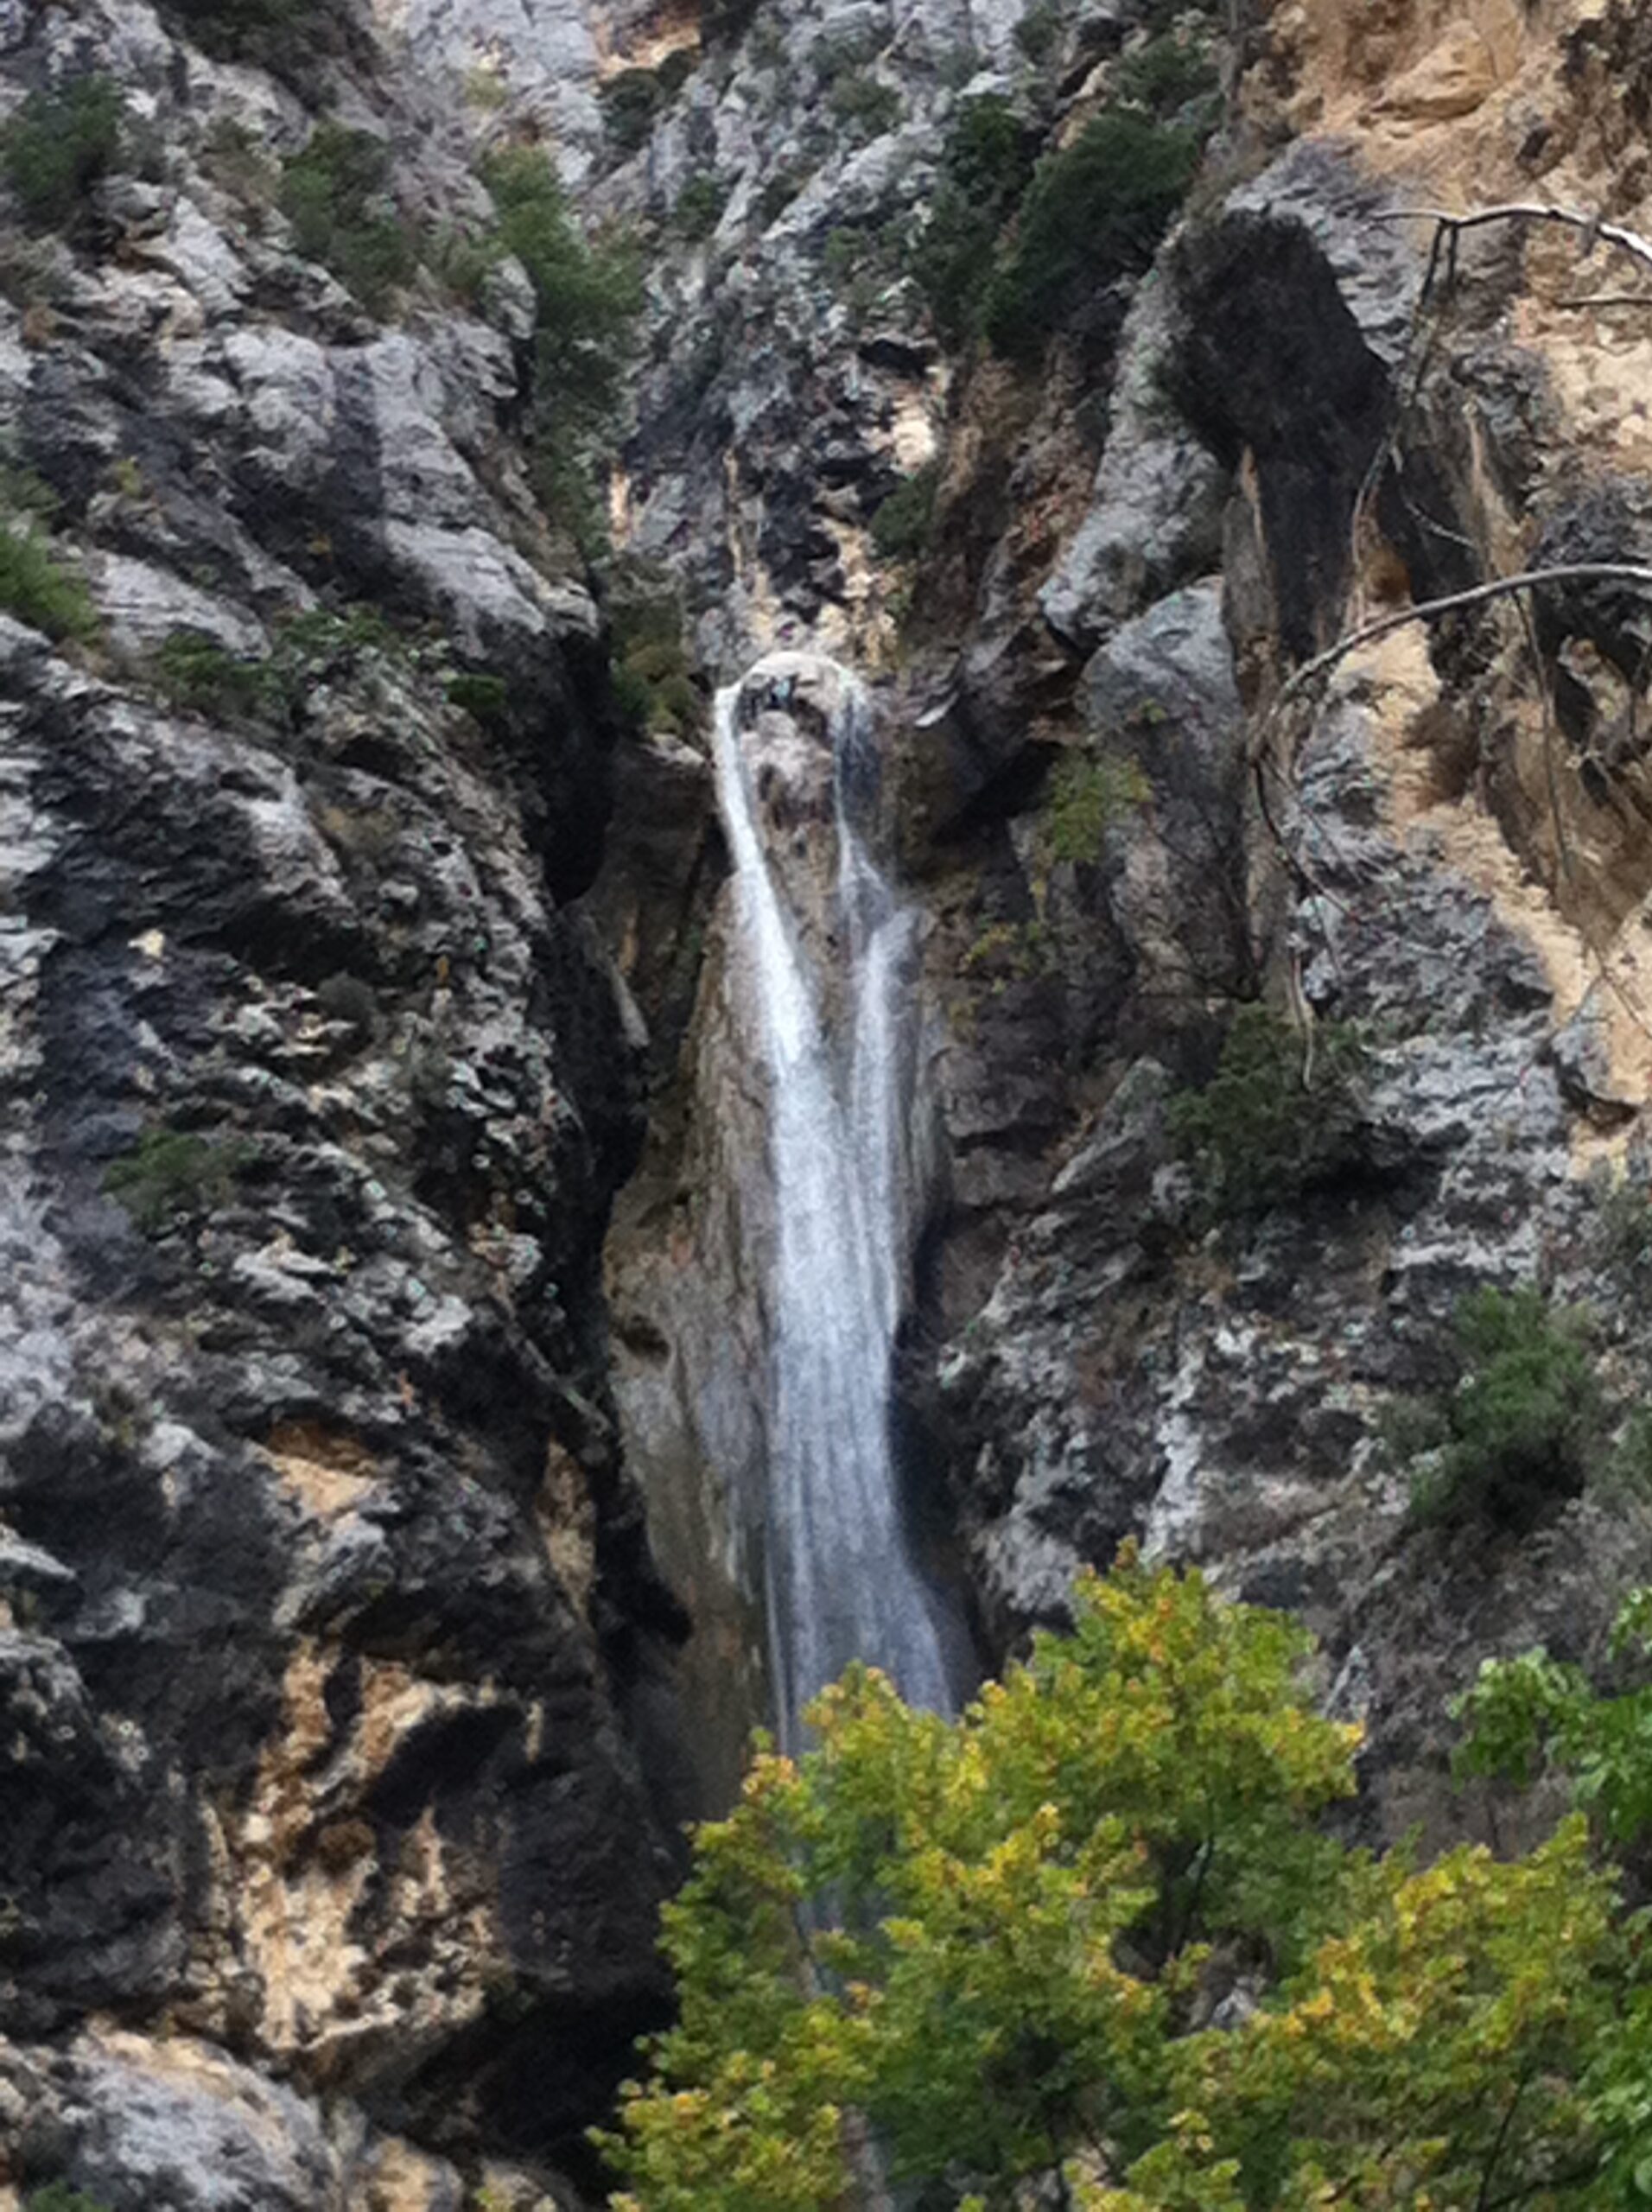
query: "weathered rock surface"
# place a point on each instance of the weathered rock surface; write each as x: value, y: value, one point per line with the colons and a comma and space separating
x: 324, y: 1587
x: 345, y: 1732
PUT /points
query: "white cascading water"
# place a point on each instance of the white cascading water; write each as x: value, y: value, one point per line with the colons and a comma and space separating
x: 841, y: 1582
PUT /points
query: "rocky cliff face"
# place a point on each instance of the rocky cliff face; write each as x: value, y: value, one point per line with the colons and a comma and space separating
x: 339, y: 1000
x: 1299, y: 418
x: 324, y: 1588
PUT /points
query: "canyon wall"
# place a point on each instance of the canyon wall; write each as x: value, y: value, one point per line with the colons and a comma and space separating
x: 375, y: 1332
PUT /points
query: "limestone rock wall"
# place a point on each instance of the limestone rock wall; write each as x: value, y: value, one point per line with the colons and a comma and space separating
x: 338, y: 1401
x: 323, y: 1589
x: 1286, y: 427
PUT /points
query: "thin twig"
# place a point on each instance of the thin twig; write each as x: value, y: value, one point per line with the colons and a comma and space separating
x: 1429, y: 610
x: 1574, y: 218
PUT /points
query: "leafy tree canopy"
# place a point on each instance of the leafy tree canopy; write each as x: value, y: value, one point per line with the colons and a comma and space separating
x: 1094, y: 1938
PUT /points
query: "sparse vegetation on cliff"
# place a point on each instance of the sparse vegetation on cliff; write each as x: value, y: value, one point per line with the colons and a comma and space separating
x: 1276, y: 1119
x: 250, y: 30
x: 35, y: 585
x: 984, y: 167
x: 589, y: 294
x: 1522, y: 1424
x: 58, y: 145
x: 902, y: 522
x: 1094, y: 210
x: 653, y: 684
x: 172, y: 1175
x: 337, y: 195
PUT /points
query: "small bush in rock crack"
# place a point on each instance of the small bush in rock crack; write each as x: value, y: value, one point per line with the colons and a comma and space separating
x: 57, y: 2196
x: 336, y: 194
x: 983, y: 171
x: 195, y: 672
x: 901, y: 527
x: 865, y: 105
x: 630, y: 103
x: 1087, y: 793
x: 699, y: 204
x: 1276, y: 1119
x: 1094, y: 211
x: 1167, y: 76
x: 1521, y: 1424
x: 36, y: 588
x: 58, y: 145
x: 173, y: 1175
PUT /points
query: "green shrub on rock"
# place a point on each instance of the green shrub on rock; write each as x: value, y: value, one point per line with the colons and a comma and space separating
x: 983, y: 171
x: 589, y: 294
x: 902, y: 525
x: 36, y: 588
x: 1095, y: 211
x: 195, y: 672
x: 34, y: 585
x: 172, y: 1176
x: 1524, y: 1422
x: 58, y: 145
x: 699, y: 206
x: 57, y: 2196
x: 1276, y: 1119
x: 336, y: 193
x: 1166, y: 75
x: 250, y: 29
x: 630, y: 103
x: 653, y: 684
x: 864, y: 104
x: 1087, y: 793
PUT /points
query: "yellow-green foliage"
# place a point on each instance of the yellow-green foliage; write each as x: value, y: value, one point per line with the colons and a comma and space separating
x: 1535, y: 1715
x: 1087, y: 793
x: 34, y: 585
x: 981, y: 1946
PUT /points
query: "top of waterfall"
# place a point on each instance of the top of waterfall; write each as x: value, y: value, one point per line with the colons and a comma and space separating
x: 836, y: 693
x: 791, y: 678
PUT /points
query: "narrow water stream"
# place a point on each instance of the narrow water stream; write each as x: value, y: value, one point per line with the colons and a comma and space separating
x: 832, y: 1013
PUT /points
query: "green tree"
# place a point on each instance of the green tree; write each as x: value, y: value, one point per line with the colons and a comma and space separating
x: 589, y: 296
x: 337, y: 193
x: 1533, y: 1715
x: 1095, y: 210
x: 984, y: 168
x: 986, y: 1951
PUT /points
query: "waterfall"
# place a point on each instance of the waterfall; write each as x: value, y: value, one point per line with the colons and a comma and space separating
x: 830, y: 1012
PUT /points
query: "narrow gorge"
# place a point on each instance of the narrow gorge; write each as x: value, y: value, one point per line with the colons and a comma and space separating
x: 741, y: 913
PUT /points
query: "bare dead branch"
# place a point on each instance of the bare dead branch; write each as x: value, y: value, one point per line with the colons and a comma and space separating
x: 1597, y: 230
x: 1430, y: 610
